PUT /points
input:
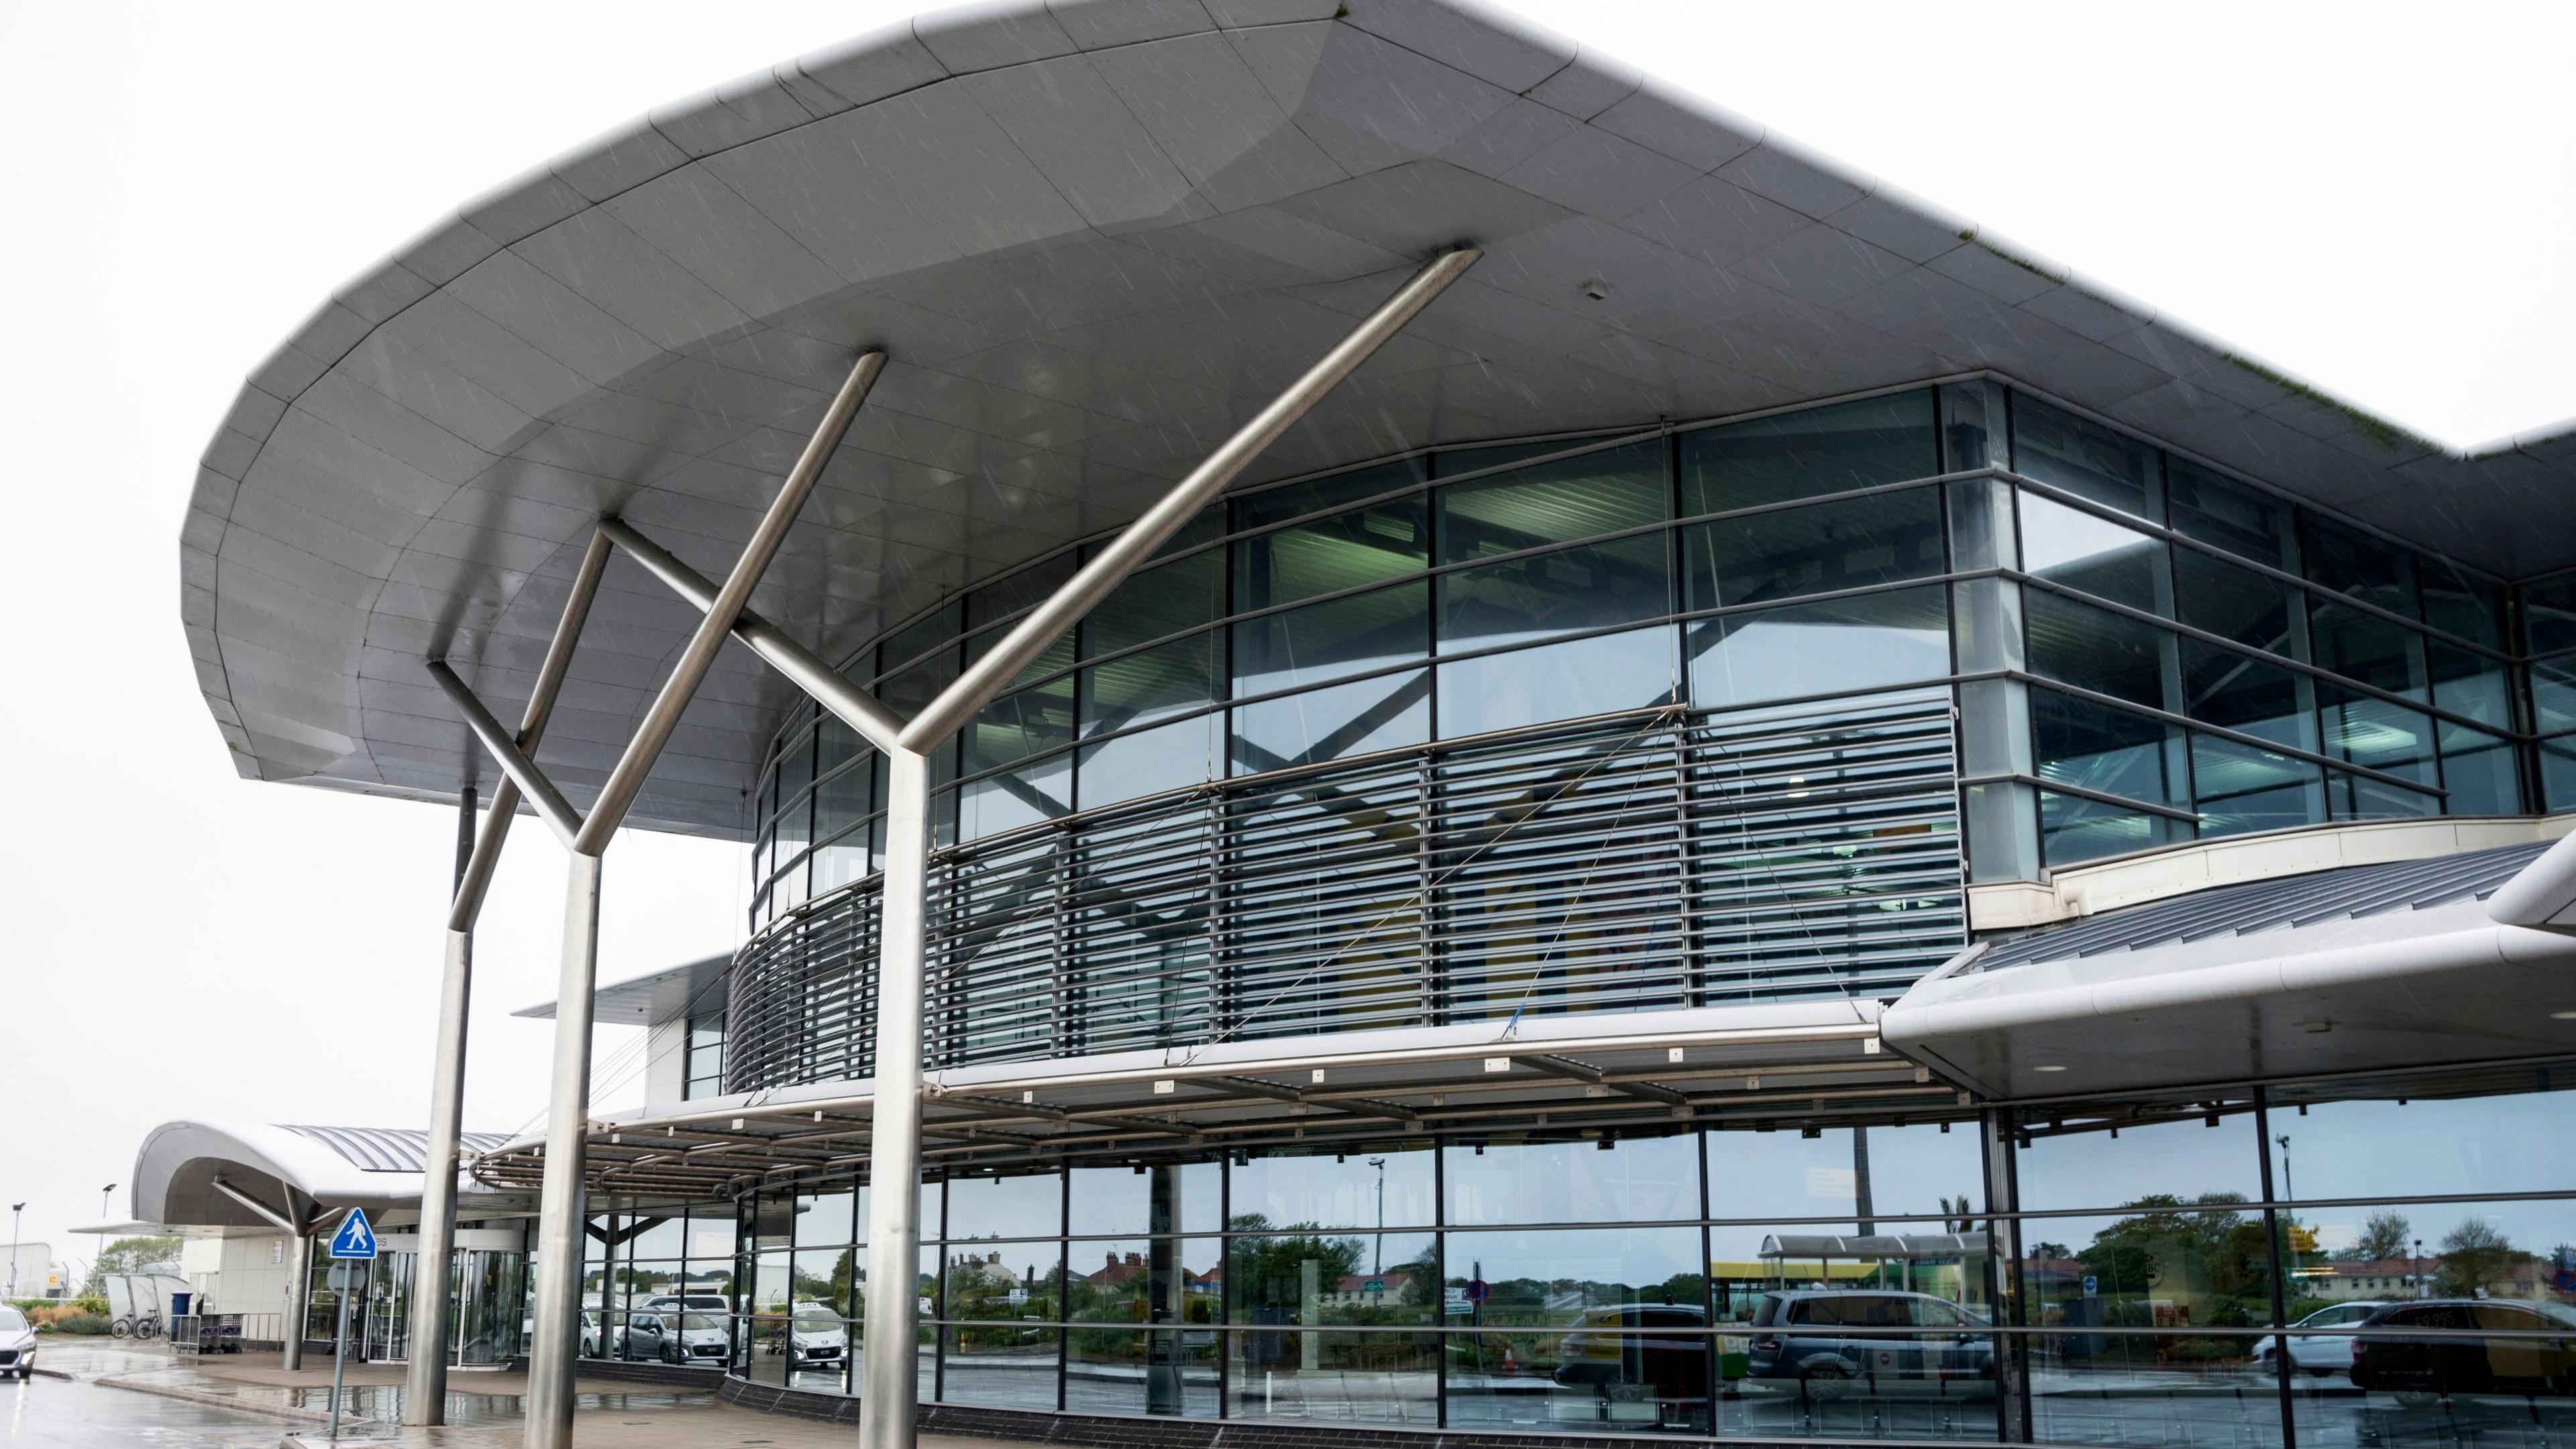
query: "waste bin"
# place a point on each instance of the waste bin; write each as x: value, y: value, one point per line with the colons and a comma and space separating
x: 179, y: 1304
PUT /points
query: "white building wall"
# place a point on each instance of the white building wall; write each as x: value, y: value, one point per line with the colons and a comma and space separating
x: 246, y: 1274
x: 666, y: 1053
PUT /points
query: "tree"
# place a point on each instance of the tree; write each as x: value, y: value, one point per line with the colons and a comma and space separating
x: 2474, y: 1254
x: 2384, y: 1234
x: 130, y: 1255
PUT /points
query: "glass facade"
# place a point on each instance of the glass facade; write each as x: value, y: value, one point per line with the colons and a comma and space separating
x: 2389, y: 1261
x: 1268, y: 786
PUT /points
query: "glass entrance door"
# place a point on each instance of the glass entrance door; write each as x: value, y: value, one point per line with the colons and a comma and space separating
x: 489, y: 1290
x: 384, y: 1334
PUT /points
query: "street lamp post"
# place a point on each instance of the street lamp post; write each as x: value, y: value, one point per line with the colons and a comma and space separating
x: 102, y: 1200
x: 15, y: 1208
x: 1378, y: 1259
x: 2419, y: 1267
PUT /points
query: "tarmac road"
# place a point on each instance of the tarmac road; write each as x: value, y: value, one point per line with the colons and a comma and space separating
x: 50, y: 1413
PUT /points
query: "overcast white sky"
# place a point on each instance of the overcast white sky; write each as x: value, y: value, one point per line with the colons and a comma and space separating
x: 2378, y: 197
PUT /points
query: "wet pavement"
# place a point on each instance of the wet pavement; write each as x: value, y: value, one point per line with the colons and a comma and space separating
x: 50, y: 1413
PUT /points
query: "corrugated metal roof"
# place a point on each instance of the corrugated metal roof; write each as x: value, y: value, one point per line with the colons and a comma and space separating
x: 388, y: 1149
x: 2238, y: 910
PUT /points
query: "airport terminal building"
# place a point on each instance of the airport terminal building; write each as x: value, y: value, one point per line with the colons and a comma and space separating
x: 1776, y: 820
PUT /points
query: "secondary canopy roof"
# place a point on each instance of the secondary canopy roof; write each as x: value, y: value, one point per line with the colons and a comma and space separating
x: 1094, y: 237
x: 290, y: 1171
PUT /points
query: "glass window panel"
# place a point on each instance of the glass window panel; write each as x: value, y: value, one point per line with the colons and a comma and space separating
x: 2558, y: 773
x: 905, y: 645
x: 2238, y: 788
x: 1544, y: 596
x: 2433, y: 1389
x: 850, y: 857
x: 1334, y: 640
x: 1314, y: 495
x: 1931, y: 1274
x: 1453, y: 462
x: 1539, y: 1279
x: 796, y: 767
x: 1157, y: 602
x: 1568, y: 680
x: 846, y: 798
x: 1809, y: 453
x: 999, y: 1366
x: 927, y: 1208
x: 2223, y: 687
x: 1628, y: 1179
x: 1155, y: 684
x: 2096, y: 747
x: 2461, y: 602
x: 2511, y: 1250
x: 1631, y: 1370
x: 2088, y: 553
x: 2243, y: 520
x: 2358, y: 564
x: 1868, y: 641
x: 2354, y: 797
x: 787, y: 888
x: 1579, y: 497
x: 827, y: 1277
x: 2549, y: 614
x: 1012, y: 1282
x: 1134, y: 1371
x: 711, y: 1237
x: 2096, y: 649
x: 2179, y: 1152
x: 1147, y: 762
x: 1388, y: 1377
x: 654, y: 1236
x: 1382, y: 541
x: 1017, y: 591
x: 1846, y: 1172
x: 1023, y: 1206
x: 1332, y: 1190
x: 1017, y: 726
x: 1333, y: 722
x: 1009, y: 799
x: 824, y: 1219
x: 2233, y: 603
x: 1853, y: 543
x: 1113, y: 1281
x: 2470, y: 684
x: 2553, y: 694
x: 1165, y: 1198
x: 2480, y: 772
x: 1306, y: 1279
x: 2365, y: 647
x: 2170, y: 1262
x: 2151, y: 1389
x: 2365, y: 730
x: 2389, y: 1138
x: 2074, y: 829
x: 2085, y: 458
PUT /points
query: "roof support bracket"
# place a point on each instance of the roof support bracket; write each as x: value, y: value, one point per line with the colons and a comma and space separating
x: 523, y: 772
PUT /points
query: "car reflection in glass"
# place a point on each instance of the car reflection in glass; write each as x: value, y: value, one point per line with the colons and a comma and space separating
x: 1618, y: 1353
x: 1813, y: 1343
x: 2321, y: 1354
x: 2426, y: 1351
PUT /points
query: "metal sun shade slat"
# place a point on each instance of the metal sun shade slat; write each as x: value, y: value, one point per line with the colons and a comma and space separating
x: 1689, y: 860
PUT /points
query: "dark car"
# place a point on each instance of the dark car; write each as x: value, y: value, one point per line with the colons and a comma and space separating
x: 2426, y: 1350
x: 1826, y: 1342
x: 1657, y: 1344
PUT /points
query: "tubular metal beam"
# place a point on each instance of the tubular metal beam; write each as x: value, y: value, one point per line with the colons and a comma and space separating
x: 424, y: 1398
x: 468, y: 903
x: 299, y: 1301
x: 550, y: 803
x: 804, y: 668
x: 997, y: 667
x: 625, y: 781
x: 281, y: 1221
x: 887, y: 1414
x: 557, y: 1313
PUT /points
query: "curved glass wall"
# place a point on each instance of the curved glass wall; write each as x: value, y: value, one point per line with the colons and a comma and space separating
x: 1619, y: 722
x: 2381, y: 1261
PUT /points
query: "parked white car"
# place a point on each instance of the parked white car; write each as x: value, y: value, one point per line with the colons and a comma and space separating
x: 676, y: 1337
x: 2321, y: 1354
x: 17, y: 1344
x: 816, y: 1335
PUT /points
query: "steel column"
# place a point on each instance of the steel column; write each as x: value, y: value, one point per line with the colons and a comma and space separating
x: 425, y: 1369
x: 560, y: 1210
x: 299, y: 1302
x: 886, y: 1391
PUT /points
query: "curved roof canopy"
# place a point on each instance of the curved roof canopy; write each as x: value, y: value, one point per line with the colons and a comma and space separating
x: 293, y: 1171
x: 1094, y: 237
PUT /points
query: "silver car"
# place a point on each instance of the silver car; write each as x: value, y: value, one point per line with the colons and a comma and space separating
x: 17, y: 1344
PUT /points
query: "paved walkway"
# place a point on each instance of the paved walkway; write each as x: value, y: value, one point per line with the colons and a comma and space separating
x: 483, y: 1407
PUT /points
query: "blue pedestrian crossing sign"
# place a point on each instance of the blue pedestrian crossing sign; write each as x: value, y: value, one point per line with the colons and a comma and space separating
x: 355, y: 1239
